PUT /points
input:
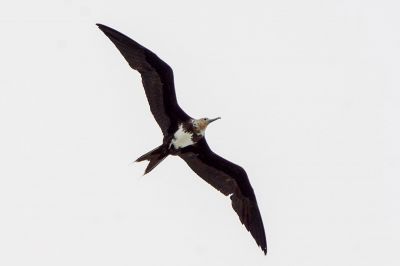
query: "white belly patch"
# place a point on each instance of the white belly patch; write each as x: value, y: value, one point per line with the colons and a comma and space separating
x: 181, y: 138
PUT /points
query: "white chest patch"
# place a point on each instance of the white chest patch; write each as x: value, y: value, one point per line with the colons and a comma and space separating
x: 181, y: 138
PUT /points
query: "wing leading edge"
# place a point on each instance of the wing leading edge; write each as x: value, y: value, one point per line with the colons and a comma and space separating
x: 229, y: 179
x: 157, y: 79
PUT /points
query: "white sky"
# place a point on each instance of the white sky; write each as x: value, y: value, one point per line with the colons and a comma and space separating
x: 308, y: 92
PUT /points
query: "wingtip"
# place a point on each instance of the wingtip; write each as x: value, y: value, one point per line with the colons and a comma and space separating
x: 263, y: 246
x: 101, y: 26
x: 114, y: 35
x: 264, y: 250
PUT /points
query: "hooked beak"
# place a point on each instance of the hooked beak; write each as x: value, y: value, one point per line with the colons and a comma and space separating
x: 212, y: 120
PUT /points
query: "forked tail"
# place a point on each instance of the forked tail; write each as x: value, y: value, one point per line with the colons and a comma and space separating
x: 155, y: 157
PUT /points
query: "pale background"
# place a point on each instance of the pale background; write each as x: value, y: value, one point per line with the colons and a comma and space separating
x: 309, y: 96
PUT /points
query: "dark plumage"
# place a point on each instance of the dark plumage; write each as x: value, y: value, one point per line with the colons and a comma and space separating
x: 184, y: 136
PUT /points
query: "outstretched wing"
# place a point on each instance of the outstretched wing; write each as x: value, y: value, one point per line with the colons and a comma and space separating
x: 157, y: 79
x: 230, y: 179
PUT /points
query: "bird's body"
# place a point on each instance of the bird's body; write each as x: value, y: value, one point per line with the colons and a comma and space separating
x: 185, y: 136
x: 190, y: 132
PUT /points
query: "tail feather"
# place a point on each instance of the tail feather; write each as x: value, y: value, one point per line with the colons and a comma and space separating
x: 148, y: 156
x: 154, y: 162
x: 155, y: 157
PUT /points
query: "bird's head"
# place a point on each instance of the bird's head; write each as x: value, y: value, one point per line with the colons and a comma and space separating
x: 201, y: 124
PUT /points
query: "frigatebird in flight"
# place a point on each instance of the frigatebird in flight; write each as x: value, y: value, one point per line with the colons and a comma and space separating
x: 184, y: 135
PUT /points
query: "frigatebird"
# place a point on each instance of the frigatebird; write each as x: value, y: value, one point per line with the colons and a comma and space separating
x: 184, y: 135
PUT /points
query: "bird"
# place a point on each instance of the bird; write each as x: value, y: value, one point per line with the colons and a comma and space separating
x: 184, y: 136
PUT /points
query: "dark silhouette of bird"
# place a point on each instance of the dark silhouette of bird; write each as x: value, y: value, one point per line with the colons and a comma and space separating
x: 184, y: 136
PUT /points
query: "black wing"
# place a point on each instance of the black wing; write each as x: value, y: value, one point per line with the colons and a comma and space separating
x: 157, y: 79
x: 230, y: 179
